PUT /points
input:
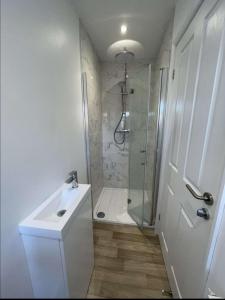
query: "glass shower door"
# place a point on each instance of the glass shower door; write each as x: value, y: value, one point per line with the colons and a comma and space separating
x: 138, y: 116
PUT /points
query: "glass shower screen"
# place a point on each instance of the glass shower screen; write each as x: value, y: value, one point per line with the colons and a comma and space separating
x: 138, y: 104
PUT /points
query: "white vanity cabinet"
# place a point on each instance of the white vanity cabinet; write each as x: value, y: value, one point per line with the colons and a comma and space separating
x: 61, y: 259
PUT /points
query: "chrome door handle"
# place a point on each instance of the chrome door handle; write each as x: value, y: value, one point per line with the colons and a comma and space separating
x: 207, y: 197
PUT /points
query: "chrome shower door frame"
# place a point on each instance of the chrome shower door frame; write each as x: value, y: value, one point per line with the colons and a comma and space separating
x: 159, y: 140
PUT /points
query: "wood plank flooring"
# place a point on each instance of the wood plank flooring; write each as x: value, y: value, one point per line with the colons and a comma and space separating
x: 128, y: 263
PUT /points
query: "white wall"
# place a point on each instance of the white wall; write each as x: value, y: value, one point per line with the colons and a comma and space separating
x: 184, y: 12
x: 41, y: 119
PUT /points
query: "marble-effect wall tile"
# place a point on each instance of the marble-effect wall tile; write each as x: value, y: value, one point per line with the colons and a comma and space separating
x: 91, y: 66
x: 116, y: 157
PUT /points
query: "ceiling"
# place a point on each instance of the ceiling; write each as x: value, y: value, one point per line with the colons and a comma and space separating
x: 146, y: 22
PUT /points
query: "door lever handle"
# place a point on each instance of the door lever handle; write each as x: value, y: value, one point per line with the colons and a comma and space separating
x: 207, y: 197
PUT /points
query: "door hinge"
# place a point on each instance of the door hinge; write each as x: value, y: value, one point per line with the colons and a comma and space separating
x: 159, y: 217
x: 173, y: 74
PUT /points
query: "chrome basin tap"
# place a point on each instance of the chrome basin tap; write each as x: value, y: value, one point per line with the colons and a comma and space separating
x: 73, y: 178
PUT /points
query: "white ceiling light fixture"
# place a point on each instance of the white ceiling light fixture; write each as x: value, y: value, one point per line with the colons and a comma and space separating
x: 123, y: 29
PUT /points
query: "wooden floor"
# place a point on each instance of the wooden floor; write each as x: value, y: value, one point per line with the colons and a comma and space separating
x: 128, y: 263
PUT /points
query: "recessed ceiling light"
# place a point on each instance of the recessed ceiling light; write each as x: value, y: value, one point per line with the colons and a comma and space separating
x: 123, y: 29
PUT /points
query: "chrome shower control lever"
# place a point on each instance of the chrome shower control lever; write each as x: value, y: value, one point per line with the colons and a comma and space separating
x: 203, y: 213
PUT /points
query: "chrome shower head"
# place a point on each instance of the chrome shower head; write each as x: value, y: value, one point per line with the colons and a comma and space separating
x: 124, y: 56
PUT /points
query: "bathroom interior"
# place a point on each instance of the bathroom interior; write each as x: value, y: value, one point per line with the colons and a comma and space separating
x: 102, y: 155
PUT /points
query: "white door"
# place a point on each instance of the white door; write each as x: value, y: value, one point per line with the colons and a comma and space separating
x: 197, y: 148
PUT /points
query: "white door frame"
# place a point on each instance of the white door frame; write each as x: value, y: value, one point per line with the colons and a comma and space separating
x: 164, y: 170
x: 220, y: 214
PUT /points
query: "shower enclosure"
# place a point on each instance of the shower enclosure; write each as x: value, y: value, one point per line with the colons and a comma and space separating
x: 147, y: 114
x: 132, y: 129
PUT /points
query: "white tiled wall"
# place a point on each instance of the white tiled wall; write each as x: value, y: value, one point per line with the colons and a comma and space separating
x: 115, y: 157
x: 90, y: 64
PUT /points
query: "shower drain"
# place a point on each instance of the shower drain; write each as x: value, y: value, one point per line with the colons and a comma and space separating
x: 101, y: 214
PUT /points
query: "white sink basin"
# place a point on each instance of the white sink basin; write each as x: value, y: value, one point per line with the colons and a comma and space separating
x: 51, y: 218
x: 59, y: 247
